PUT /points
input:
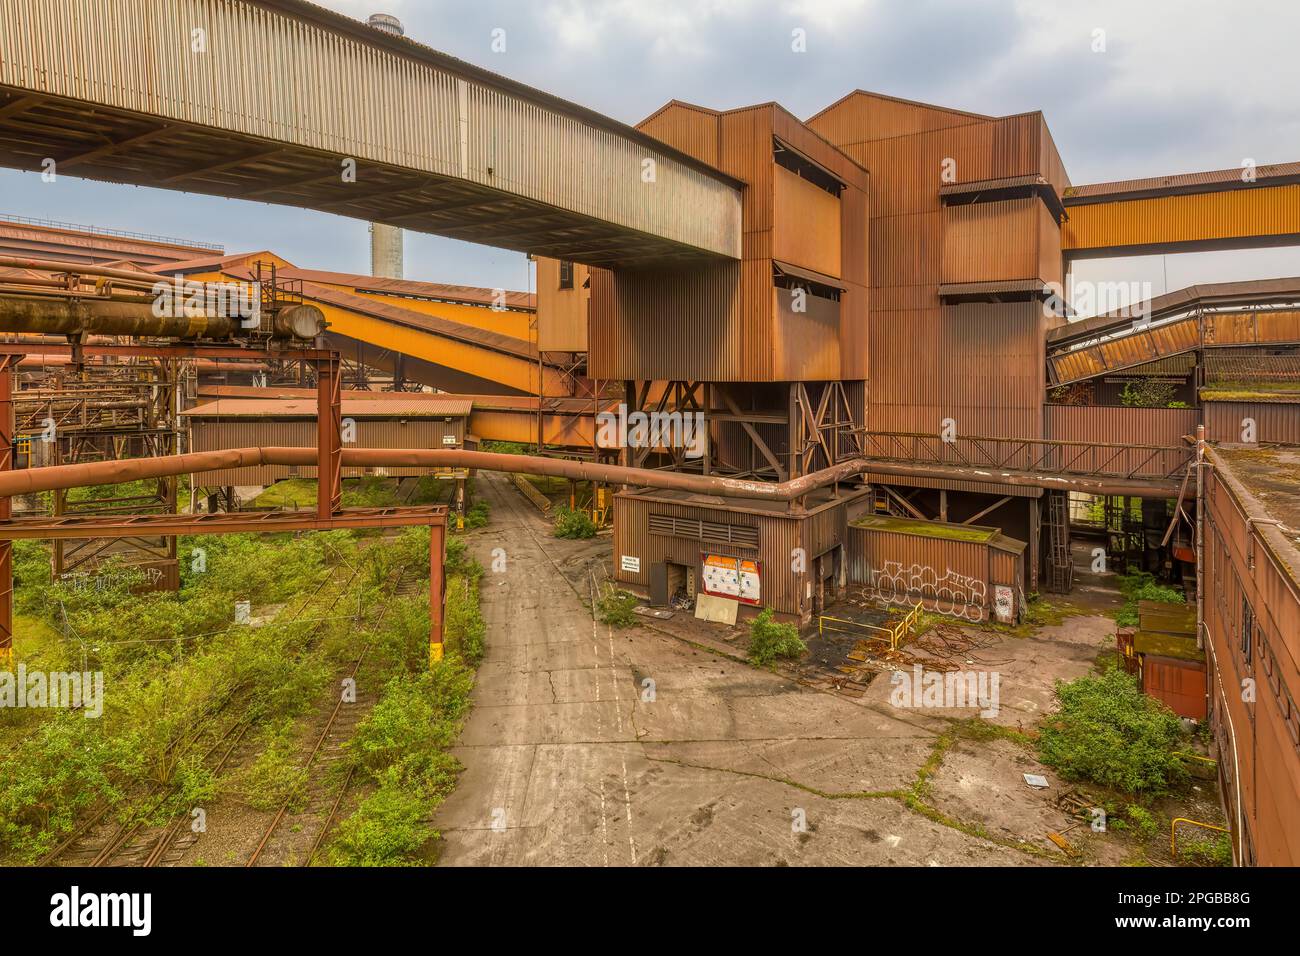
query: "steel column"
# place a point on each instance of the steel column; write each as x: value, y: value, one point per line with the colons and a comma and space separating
x: 437, y: 588
x: 7, y: 364
x: 329, y: 437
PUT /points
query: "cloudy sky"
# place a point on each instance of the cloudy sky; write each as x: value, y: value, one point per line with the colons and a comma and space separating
x: 1182, y: 85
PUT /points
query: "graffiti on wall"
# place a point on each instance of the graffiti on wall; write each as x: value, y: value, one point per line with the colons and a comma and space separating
x: 949, y: 593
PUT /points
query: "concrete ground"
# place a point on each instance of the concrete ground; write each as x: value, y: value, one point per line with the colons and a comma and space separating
x: 588, y: 746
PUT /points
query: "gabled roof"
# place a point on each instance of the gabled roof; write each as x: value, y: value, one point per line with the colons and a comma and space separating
x: 957, y: 115
x: 214, y: 263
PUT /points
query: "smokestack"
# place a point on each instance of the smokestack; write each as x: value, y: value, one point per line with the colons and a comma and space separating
x: 386, y: 241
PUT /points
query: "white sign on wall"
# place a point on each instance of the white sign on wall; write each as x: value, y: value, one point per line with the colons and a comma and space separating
x: 630, y: 564
x: 731, y: 577
x: 1004, y: 603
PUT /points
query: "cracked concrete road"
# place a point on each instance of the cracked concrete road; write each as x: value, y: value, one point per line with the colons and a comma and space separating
x: 567, y: 764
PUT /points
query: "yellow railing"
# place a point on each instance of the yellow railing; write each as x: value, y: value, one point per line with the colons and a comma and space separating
x: 896, y: 631
x: 1173, y: 831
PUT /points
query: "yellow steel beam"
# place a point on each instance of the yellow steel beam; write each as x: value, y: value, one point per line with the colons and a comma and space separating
x: 514, y: 324
x: 1231, y: 218
x: 513, y: 371
x: 521, y: 426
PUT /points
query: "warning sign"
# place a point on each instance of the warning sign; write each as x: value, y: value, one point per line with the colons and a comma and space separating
x: 737, y: 578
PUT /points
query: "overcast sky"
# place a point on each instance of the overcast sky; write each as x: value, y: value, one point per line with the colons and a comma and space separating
x: 1182, y: 85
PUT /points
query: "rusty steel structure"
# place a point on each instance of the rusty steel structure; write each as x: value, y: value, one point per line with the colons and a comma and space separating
x: 470, y: 172
x: 866, y: 311
x: 327, y: 457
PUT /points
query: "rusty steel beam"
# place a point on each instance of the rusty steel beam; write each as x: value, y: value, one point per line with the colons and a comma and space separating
x: 112, y: 472
x: 6, y: 512
x: 437, y: 586
x: 226, y: 522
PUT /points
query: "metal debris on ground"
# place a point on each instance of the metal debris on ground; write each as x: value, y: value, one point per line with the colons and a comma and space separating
x: 1036, y: 780
x: 658, y: 613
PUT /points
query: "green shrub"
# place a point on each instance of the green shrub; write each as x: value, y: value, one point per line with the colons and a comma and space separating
x: 1148, y: 393
x: 571, y: 523
x: 463, y: 625
x: 769, y: 639
x: 387, y: 829
x: 275, y: 778
x: 1139, y: 586
x: 1143, y: 821
x: 51, y: 777
x: 616, y: 607
x: 402, y: 746
x: 1109, y: 732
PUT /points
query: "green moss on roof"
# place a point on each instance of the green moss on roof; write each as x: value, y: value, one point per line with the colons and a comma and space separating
x: 1251, y: 392
x: 928, y: 529
x: 1167, y: 645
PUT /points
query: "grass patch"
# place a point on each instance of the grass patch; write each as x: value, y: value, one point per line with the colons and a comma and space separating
x: 616, y: 607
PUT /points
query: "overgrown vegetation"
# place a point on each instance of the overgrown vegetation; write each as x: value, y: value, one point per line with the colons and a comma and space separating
x: 572, y: 523
x: 1138, y: 586
x: 477, y: 515
x: 402, y: 748
x: 1110, y: 733
x: 1150, y: 393
x: 179, y: 673
x: 616, y: 607
x: 175, y: 667
x: 770, y: 639
x: 1205, y: 848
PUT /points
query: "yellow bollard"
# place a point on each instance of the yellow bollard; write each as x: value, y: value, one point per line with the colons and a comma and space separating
x: 435, y: 654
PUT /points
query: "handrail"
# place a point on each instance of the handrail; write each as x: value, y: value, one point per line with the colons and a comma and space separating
x: 1173, y: 831
x: 896, y: 631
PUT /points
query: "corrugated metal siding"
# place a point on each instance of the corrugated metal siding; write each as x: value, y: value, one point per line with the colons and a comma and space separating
x: 1274, y: 421
x: 806, y: 224
x: 1136, y: 348
x: 865, y: 116
x: 1232, y: 213
x: 942, y: 363
x: 782, y: 588
x: 993, y: 241
x: 279, y: 78
x: 955, y: 577
x: 670, y: 325
x: 207, y: 435
x: 561, y: 313
x: 1120, y: 425
x: 807, y: 342
x: 1256, y: 565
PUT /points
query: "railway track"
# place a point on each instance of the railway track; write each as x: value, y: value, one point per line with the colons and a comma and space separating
x: 325, y: 794
x: 101, y: 840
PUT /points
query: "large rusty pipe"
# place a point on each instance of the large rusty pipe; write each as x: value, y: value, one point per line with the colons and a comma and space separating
x: 94, y: 316
x: 97, y: 317
x: 112, y: 472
